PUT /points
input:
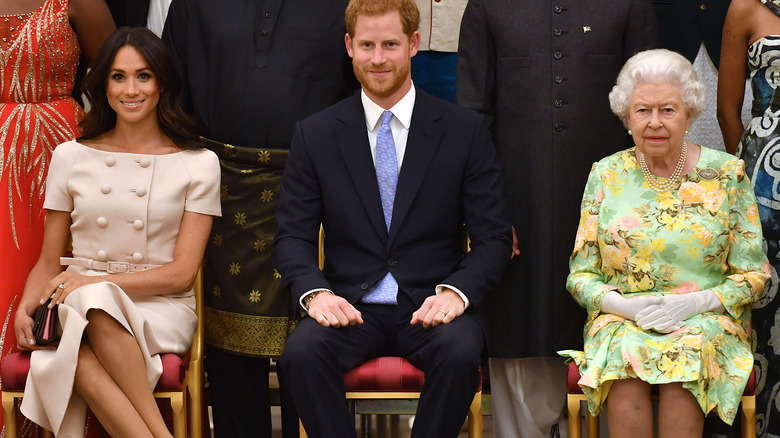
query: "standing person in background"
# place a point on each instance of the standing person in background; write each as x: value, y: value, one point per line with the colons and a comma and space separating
x: 694, y: 30
x: 433, y: 69
x: 543, y: 70
x: 129, y: 12
x: 751, y: 38
x: 157, y: 14
x: 40, y: 44
x: 251, y: 69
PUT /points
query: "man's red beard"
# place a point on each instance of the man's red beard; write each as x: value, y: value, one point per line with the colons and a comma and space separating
x: 382, y: 87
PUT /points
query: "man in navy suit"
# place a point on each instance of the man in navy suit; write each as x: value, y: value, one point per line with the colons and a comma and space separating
x: 393, y: 175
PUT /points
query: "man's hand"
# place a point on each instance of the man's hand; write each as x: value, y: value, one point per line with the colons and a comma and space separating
x: 333, y: 311
x: 439, y: 309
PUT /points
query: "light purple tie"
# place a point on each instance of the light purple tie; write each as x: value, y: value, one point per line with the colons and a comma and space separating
x: 386, y: 164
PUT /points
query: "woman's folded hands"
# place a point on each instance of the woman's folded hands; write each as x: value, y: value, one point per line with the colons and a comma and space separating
x: 663, y: 314
x: 674, y: 309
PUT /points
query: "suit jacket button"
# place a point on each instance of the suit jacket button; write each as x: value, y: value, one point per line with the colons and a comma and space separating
x: 364, y: 286
x: 557, y: 55
x: 558, y: 79
x: 559, y: 127
x: 391, y: 262
x: 558, y: 9
x: 703, y: 6
x: 557, y: 32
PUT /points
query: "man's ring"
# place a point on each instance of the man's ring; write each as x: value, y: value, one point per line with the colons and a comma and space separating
x: 61, y: 286
x: 445, y: 313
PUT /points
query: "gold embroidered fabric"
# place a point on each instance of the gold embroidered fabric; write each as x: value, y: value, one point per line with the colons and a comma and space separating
x: 247, y: 334
x: 247, y: 309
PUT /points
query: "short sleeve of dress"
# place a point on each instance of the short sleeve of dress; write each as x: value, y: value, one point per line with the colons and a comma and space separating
x: 203, y: 192
x: 57, y: 194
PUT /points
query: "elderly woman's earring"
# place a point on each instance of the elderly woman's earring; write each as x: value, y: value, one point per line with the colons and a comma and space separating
x: 630, y: 133
x: 686, y: 132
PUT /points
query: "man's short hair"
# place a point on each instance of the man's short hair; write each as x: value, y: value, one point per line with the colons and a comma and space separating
x: 410, y: 15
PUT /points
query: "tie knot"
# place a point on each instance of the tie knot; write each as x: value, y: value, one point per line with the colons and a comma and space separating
x: 386, y: 117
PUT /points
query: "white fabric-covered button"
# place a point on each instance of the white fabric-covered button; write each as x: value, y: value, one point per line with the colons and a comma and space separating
x: 102, y: 222
x: 105, y: 189
x: 138, y: 224
x: 138, y: 257
x: 101, y: 255
x: 145, y: 162
x: 110, y: 161
x: 140, y: 191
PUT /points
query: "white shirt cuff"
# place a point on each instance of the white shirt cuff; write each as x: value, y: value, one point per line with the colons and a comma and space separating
x: 440, y: 289
x: 306, y: 294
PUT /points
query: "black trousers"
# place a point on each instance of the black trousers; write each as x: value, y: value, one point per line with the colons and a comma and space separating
x: 240, y: 400
x: 315, y: 358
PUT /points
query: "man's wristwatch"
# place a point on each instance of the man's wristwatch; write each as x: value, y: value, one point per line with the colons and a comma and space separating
x: 311, y: 296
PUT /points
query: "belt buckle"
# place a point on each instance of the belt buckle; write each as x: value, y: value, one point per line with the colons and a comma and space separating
x: 118, y: 267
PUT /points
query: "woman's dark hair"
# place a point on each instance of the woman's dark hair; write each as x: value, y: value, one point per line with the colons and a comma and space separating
x: 173, y: 121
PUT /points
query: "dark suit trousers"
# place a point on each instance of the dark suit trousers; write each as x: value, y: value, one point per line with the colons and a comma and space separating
x: 315, y: 357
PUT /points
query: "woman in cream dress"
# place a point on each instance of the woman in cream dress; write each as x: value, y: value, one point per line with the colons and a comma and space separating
x: 136, y: 194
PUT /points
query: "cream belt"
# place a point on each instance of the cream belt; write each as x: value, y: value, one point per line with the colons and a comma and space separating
x: 108, y: 266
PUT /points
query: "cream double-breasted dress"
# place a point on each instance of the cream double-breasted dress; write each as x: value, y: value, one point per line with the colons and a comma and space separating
x: 126, y: 209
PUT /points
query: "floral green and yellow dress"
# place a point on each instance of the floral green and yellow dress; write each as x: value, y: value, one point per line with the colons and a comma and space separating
x: 704, y: 234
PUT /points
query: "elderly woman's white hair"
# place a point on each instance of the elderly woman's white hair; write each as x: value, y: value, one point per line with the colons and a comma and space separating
x: 657, y: 65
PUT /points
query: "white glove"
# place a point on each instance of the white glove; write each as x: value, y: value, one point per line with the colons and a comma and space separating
x: 676, y: 308
x: 656, y: 318
x: 614, y: 302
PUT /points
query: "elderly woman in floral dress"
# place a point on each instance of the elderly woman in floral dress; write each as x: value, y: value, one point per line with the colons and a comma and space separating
x: 667, y: 262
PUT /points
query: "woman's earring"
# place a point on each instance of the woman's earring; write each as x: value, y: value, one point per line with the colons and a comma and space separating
x: 630, y: 133
x: 686, y: 132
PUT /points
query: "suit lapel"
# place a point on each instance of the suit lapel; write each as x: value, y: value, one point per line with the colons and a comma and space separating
x: 424, y: 136
x: 356, y: 152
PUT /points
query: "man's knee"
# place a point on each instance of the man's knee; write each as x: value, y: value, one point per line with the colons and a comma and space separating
x: 302, y: 348
x: 459, y: 352
x: 459, y: 344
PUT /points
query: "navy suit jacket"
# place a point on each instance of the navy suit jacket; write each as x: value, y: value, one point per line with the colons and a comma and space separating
x: 450, y: 176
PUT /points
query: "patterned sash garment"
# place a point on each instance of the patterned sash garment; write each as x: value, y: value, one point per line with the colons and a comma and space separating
x: 760, y: 149
x: 387, y: 176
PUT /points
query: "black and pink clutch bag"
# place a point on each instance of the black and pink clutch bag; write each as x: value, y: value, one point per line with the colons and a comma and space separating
x: 46, y: 322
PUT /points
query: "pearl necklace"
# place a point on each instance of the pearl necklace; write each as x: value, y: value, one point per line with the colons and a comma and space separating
x: 652, y: 180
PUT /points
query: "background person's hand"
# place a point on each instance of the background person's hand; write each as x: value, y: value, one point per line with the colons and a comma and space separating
x: 438, y: 309
x: 332, y: 310
x: 515, y: 245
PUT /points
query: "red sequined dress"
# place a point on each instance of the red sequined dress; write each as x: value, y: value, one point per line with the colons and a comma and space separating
x: 39, y: 53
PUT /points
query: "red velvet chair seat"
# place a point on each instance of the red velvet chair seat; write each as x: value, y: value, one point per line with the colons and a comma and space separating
x: 15, y: 366
x: 389, y: 378
x: 394, y: 374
